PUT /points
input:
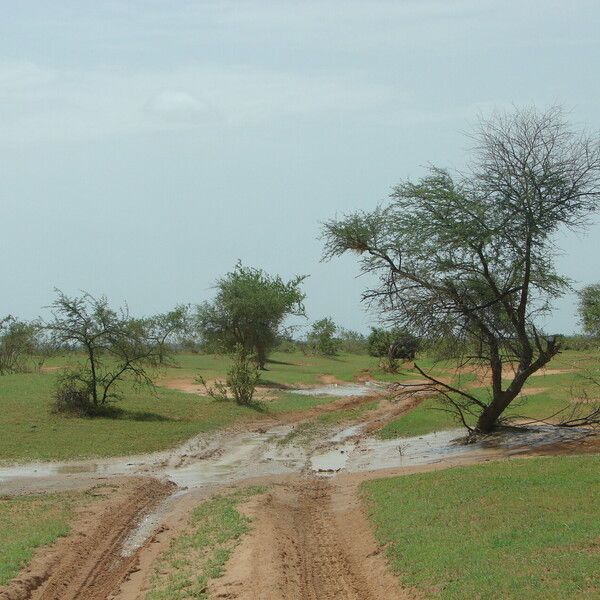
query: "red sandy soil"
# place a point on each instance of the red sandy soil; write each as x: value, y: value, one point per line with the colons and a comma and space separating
x: 87, y: 563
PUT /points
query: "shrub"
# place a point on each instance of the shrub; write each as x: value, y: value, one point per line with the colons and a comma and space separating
x: 72, y: 396
x: 392, y: 345
x: 241, y: 380
x: 352, y: 342
x: 321, y: 338
x: 17, y: 345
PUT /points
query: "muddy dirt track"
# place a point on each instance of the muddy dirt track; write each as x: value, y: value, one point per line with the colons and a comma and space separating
x: 303, y: 546
x: 88, y: 564
x: 309, y: 540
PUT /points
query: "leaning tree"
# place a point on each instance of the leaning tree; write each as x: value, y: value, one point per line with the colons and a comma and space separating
x: 469, y: 259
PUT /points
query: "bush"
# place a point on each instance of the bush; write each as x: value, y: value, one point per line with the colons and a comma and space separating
x: 392, y: 345
x: 287, y: 346
x: 321, y: 338
x: 72, y: 397
x: 17, y: 345
x: 352, y: 342
x: 241, y: 380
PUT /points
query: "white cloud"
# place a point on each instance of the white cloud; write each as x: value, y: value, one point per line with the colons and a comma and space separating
x: 173, y: 101
x: 42, y: 104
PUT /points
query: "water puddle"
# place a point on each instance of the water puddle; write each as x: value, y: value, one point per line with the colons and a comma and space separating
x: 341, y: 390
x: 149, y: 524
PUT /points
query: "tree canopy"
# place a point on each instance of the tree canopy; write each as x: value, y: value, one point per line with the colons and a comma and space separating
x: 249, y: 309
x: 471, y: 257
x: 115, y: 347
x: 321, y: 338
x: 589, y: 309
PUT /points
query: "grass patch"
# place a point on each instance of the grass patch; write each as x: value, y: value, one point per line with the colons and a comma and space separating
x: 27, y: 522
x: 145, y: 421
x: 524, y: 528
x: 343, y: 415
x: 199, y: 554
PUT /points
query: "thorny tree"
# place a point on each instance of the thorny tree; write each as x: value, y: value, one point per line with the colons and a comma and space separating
x: 114, y: 346
x: 470, y: 259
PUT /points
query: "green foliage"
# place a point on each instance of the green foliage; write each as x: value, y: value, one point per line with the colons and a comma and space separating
x: 393, y: 343
x: 18, y: 345
x: 351, y: 341
x: 249, y: 309
x: 115, y: 347
x: 471, y: 257
x: 499, y: 530
x: 321, y: 338
x: 242, y: 378
x: 589, y: 309
x: 582, y: 343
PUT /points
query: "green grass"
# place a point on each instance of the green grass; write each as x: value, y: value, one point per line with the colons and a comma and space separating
x: 282, y: 368
x: 527, y: 528
x: 28, y: 429
x: 200, y: 553
x: 27, y: 522
x: 150, y: 421
x: 559, y: 388
x: 318, y: 426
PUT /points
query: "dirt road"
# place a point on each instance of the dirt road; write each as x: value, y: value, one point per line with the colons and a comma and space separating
x: 309, y: 540
x: 88, y: 564
x: 303, y: 546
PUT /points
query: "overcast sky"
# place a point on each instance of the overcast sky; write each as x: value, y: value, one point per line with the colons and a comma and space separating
x: 146, y: 146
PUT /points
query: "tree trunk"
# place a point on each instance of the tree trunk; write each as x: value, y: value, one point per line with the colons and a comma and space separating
x: 488, y: 419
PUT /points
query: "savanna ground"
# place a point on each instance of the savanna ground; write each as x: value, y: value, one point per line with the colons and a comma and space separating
x: 520, y: 528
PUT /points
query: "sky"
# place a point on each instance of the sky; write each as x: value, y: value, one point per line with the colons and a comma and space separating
x: 146, y: 146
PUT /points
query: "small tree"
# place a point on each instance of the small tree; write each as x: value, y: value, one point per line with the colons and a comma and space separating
x: 170, y: 329
x: 242, y: 378
x: 249, y: 309
x: 18, y: 345
x: 589, y: 309
x: 470, y: 258
x: 392, y: 345
x: 351, y: 341
x: 115, y: 347
x: 321, y: 338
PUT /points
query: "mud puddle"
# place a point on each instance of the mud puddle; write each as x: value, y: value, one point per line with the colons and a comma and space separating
x: 203, y: 464
x: 371, y: 454
x: 342, y: 390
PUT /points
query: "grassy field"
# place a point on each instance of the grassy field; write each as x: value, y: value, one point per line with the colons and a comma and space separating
x: 200, y: 553
x: 27, y: 522
x: 524, y: 528
x: 149, y: 421
x: 155, y: 421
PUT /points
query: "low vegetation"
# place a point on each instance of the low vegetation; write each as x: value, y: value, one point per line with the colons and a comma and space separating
x: 500, y: 530
x: 392, y: 346
x: 199, y: 554
x: 240, y: 382
x: 27, y: 522
x: 148, y: 420
x: 115, y: 348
